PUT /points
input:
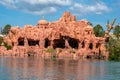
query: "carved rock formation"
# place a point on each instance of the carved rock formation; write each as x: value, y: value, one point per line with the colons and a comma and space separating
x: 66, y: 34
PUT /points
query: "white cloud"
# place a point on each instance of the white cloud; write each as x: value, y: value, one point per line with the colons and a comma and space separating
x: 82, y: 9
x: 42, y: 7
x: 38, y: 7
x: 44, y: 11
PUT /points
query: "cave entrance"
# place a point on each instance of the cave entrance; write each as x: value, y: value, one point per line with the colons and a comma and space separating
x: 21, y: 42
x: 97, y: 45
x: 59, y: 43
x: 91, y: 46
x: 73, y: 43
x: 33, y: 42
x: 47, y: 43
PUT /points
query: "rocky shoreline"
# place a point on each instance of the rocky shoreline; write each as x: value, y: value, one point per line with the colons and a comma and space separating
x: 50, y: 52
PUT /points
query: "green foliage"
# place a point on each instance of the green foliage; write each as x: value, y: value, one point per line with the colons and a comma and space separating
x: 1, y: 40
x: 7, y: 46
x: 51, y: 50
x: 114, y: 50
x: 117, y: 31
x: 98, y: 30
x: 6, y: 29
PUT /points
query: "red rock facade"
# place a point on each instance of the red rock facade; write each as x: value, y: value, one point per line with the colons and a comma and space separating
x: 69, y: 37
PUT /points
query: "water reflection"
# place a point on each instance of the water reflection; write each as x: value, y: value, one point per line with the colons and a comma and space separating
x: 32, y: 68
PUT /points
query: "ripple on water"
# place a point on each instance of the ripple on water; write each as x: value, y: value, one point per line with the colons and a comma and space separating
x: 31, y: 68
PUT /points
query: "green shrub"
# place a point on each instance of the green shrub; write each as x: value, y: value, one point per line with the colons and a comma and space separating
x: 51, y: 50
x: 7, y: 46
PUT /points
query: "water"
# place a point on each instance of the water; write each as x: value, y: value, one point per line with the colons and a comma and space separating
x: 13, y: 68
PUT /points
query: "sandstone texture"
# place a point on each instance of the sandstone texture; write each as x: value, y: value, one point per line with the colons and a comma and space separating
x: 67, y: 36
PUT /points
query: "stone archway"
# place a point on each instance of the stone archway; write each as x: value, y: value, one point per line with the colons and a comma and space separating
x: 47, y: 43
x: 33, y: 42
x: 90, y: 46
x: 20, y: 42
x: 73, y: 43
x: 97, y: 45
x: 59, y: 43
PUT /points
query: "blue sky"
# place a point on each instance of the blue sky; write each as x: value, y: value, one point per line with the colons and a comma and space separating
x: 22, y: 12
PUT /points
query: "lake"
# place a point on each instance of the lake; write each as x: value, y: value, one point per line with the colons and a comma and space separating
x: 36, y: 68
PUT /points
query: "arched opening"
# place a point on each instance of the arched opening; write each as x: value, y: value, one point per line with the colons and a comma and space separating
x: 33, y: 42
x: 83, y: 44
x: 88, y: 32
x: 91, y: 46
x: 20, y: 42
x: 47, y: 43
x: 73, y: 43
x: 59, y: 43
x: 13, y: 43
x: 97, y: 45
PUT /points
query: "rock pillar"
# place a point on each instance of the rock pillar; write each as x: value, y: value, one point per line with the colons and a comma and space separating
x: 79, y: 45
x: 67, y: 44
x: 25, y: 42
x: 51, y: 44
x: 42, y: 43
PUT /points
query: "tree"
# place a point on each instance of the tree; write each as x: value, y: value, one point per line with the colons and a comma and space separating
x: 114, y: 50
x: 6, y: 29
x: 110, y: 26
x: 98, y: 30
x: 1, y: 40
x: 117, y: 31
x: 113, y: 44
x: 0, y: 30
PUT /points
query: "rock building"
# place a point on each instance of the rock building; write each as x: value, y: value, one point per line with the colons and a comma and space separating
x: 67, y: 35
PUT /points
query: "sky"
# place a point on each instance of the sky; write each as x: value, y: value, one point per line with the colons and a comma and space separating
x: 29, y: 12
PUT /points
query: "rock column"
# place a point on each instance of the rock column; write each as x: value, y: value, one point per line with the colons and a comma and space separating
x: 42, y: 43
x: 25, y: 42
